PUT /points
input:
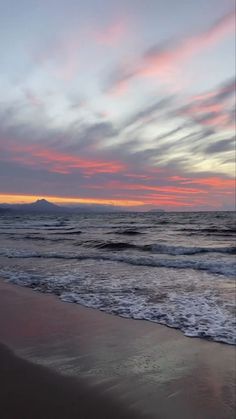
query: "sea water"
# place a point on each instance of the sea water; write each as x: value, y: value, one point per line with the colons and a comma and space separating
x: 177, y: 269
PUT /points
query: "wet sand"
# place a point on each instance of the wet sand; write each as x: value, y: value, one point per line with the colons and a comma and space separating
x: 66, y: 361
x: 29, y: 391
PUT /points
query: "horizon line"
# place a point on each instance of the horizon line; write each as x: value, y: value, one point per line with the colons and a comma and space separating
x: 21, y: 199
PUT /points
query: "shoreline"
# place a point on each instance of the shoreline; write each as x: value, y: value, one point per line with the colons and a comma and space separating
x: 86, y: 307
x: 137, y: 365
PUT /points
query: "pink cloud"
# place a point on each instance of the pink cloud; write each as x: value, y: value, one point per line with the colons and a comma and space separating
x: 58, y: 162
x: 119, y: 180
x: 119, y: 89
x: 214, y: 108
x: 160, y: 61
x: 182, y: 192
x: 167, y: 189
x: 214, y: 182
x: 164, y: 61
x: 112, y: 34
x: 61, y: 56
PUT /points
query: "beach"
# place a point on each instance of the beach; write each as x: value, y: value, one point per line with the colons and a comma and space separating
x: 63, y: 360
x: 31, y: 391
x: 117, y: 209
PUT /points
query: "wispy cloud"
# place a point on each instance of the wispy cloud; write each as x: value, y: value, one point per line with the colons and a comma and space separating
x: 112, y: 33
x: 102, y: 161
x: 214, y: 108
x: 37, y: 156
x: 221, y: 146
x: 60, y: 57
x: 163, y: 60
x: 32, y: 98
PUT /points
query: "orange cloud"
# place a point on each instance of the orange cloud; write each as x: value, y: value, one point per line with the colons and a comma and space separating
x: 165, y: 200
x: 15, y: 199
x: 138, y: 201
x: 206, y: 193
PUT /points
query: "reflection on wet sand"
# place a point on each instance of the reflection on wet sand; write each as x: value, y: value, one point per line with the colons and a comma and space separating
x: 147, y: 366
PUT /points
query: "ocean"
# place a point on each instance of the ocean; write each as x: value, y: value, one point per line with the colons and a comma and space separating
x: 176, y: 269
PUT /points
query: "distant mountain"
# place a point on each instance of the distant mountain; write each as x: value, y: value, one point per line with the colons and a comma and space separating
x: 44, y: 206
x: 41, y: 205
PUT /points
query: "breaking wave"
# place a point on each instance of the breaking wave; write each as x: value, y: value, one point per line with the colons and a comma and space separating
x: 213, y: 266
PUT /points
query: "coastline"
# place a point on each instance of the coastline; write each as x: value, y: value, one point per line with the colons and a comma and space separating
x: 135, y: 365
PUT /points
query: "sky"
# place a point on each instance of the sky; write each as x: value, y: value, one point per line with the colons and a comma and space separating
x: 128, y: 103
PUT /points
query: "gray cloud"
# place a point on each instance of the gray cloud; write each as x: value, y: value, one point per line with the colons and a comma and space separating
x: 149, y: 112
x: 163, y: 160
x: 221, y: 146
x: 211, y: 110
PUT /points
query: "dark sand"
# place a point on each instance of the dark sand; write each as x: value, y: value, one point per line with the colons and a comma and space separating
x: 82, y: 363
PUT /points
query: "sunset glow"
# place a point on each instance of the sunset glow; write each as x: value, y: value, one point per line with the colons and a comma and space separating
x: 127, y: 107
x: 26, y: 199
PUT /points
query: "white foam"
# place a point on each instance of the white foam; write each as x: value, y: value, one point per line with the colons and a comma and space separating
x: 227, y: 268
x: 168, y: 277
x: 189, y: 306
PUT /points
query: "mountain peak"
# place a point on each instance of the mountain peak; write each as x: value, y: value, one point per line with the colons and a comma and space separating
x: 43, y: 204
x: 43, y: 201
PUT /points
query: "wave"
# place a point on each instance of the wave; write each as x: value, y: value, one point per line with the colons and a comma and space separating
x: 196, y: 314
x: 128, y: 232
x: 45, y: 239
x: 68, y: 232
x: 193, y: 315
x: 215, y: 267
x: 35, y: 227
x: 158, y: 248
x: 211, y: 231
x: 58, y: 229
x: 182, y: 250
x: 115, y: 246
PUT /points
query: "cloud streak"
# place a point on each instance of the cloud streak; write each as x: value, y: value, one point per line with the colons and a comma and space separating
x: 213, y: 108
x: 103, y: 161
x: 37, y: 156
x: 163, y: 60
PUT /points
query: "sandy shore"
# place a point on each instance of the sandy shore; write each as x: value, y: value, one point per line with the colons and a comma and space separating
x: 65, y: 361
x: 30, y: 391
